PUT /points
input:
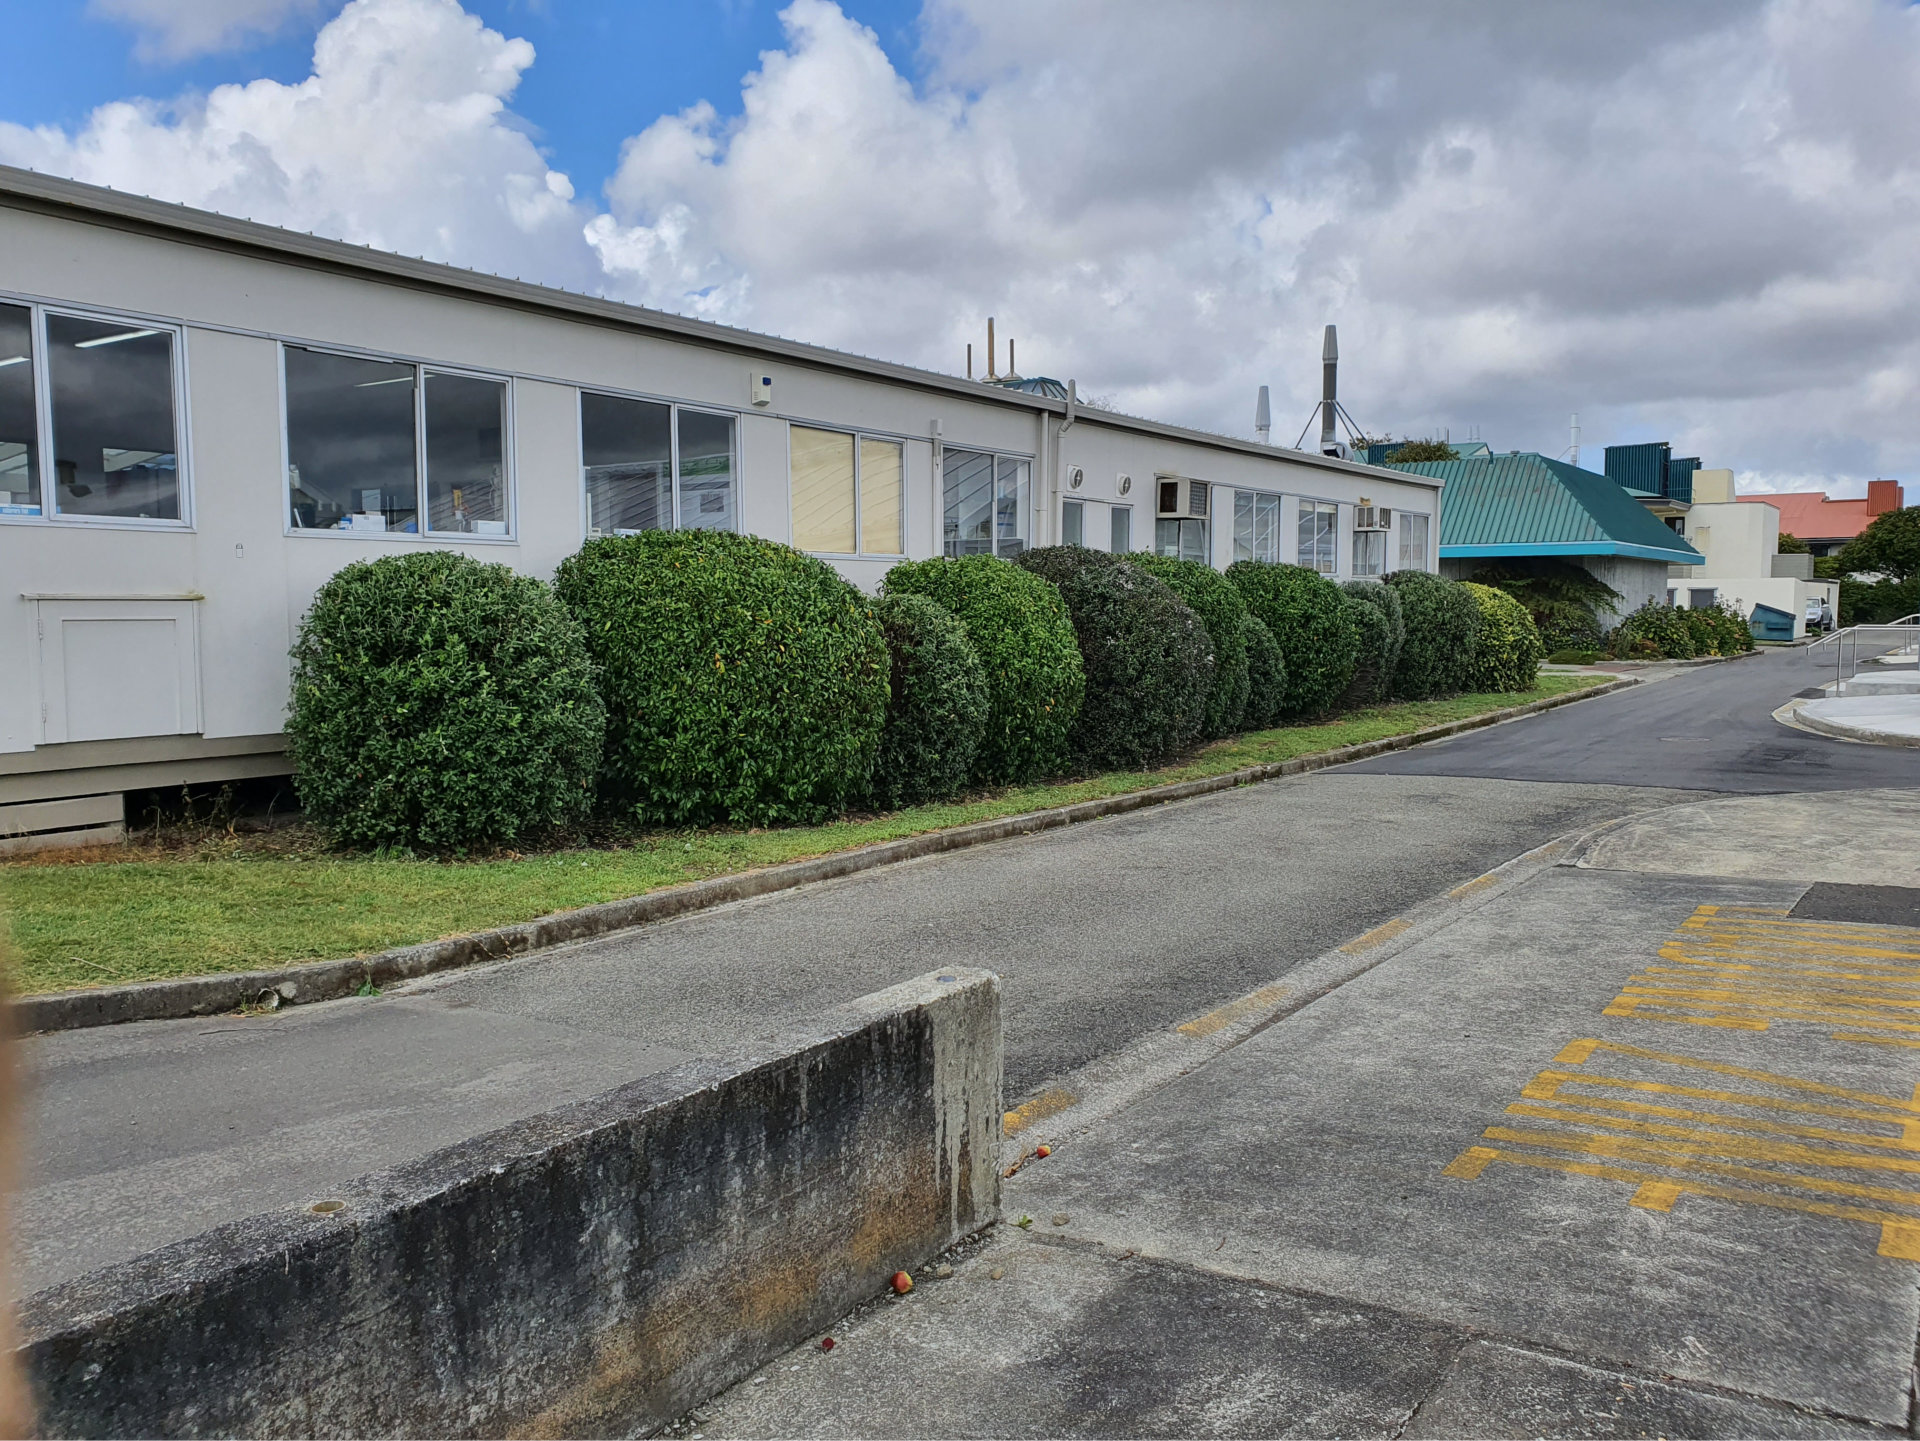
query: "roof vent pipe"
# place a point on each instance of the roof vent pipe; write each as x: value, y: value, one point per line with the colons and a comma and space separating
x: 1329, y: 375
x: 1262, y: 416
x: 992, y: 351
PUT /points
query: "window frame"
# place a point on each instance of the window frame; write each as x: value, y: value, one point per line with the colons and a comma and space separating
x: 1385, y: 537
x: 41, y: 362
x: 509, y: 476
x: 1256, y: 497
x: 1028, y: 508
x: 1114, y: 513
x: 859, y: 551
x: 674, y: 407
x: 1333, y: 532
x: 1400, y: 527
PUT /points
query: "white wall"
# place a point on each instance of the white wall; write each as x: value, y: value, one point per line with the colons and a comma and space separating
x: 1738, y: 540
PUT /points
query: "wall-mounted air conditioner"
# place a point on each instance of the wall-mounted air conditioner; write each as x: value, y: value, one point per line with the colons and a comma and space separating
x: 1372, y: 517
x: 1076, y: 477
x: 1182, y: 498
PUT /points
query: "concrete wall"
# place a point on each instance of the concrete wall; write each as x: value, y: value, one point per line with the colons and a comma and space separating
x: 594, y: 1271
x: 1738, y: 540
x: 247, y: 576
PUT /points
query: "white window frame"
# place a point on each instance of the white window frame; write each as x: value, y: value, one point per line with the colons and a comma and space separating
x: 859, y: 551
x: 1118, y: 509
x: 1030, y: 512
x: 1279, y: 527
x: 1400, y: 519
x: 1314, y: 504
x: 1386, y: 544
x: 40, y: 363
x: 581, y: 390
x: 421, y: 370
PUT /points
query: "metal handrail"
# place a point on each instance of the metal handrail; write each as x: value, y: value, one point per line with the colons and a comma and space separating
x: 1847, y: 642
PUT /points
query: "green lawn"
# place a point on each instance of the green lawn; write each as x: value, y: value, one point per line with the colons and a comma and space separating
x: 106, y: 920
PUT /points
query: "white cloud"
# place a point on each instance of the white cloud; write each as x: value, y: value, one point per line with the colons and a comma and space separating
x: 180, y: 29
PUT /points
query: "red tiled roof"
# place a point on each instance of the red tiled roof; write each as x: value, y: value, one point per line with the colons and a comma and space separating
x: 1809, y: 515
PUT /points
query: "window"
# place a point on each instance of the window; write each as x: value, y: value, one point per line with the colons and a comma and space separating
x: 847, y: 492
x: 984, y: 503
x: 1319, y: 535
x: 19, y: 415
x: 1256, y: 526
x: 1072, y: 522
x: 1122, y: 530
x: 1413, y: 540
x: 355, y: 461
x: 1701, y: 599
x: 1369, y: 552
x: 1181, y: 538
x: 631, y: 460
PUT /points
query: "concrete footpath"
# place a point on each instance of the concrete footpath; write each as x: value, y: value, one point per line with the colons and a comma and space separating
x: 1628, y: 1145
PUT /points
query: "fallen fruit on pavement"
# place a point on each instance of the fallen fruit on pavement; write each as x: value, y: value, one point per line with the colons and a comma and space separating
x: 1042, y: 1152
x: 826, y: 1343
x: 995, y: 1274
x: 902, y: 1283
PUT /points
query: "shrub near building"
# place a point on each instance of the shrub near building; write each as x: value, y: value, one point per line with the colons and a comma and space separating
x: 441, y: 704
x: 1506, y: 655
x: 1221, y: 608
x: 1020, y: 628
x: 1309, y: 620
x: 744, y: 681
x: 936, y: 704
x: 1266, y: 676
x: 1375, y: 610
x: 1442, y: 625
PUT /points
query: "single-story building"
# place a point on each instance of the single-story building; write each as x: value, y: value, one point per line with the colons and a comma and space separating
x: 201, y: 419
x: 1523, y: 505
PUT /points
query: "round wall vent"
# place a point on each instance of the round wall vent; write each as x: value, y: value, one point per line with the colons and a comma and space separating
x: 1124, y: 484
x: 1076, y: 477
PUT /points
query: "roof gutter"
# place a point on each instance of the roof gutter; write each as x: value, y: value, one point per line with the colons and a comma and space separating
x: 1576, y: 547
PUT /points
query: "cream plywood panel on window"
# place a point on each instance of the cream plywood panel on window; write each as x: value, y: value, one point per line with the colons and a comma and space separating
x: 823, y: 515
x: 882, y: 498
x: 113, y: 670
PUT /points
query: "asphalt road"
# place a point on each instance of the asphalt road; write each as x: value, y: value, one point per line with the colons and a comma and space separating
x: 1706, y: 728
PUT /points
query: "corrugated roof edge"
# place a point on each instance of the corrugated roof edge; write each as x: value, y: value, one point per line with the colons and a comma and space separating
x: 1574, y: 547
x: 55, y: 195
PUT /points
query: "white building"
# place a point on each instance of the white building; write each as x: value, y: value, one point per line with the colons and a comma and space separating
x: 1741, y: 543
x: 201, y: 419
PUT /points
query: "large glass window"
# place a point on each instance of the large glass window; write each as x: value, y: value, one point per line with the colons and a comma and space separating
x: 1369, y: 552
x: 1181, y: 538
x: 115, y: 440
x: 848, y: 492
x: 352, y: 451
x: 628, y: 450
x: 1256, y: 526
x: 984, y: 503
x: 19, y: 416
x: 466, y: 459
x: 1413, y: 540
x: 1073, y: 522
x: 1319, y: 535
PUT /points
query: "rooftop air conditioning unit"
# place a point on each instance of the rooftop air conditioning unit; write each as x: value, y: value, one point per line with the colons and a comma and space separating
x: 1183, y: 498
x: 1372, y: 517
x: 1076, y: 477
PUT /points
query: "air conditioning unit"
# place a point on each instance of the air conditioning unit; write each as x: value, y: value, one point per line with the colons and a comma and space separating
x: 1076, y: 477
x: 1372, y: 517
x: 1183, y: 498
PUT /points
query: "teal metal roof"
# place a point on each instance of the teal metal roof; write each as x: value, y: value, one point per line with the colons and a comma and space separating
x: 1525, y: 504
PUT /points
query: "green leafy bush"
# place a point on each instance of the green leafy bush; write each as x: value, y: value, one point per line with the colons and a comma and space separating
x: 440, y: 703
x: 1653, y: 632
x: 1876, y: 602
x: 1575, y: 657
x: 1718, y: 629
x: 745, y: 682
x: 1266, y: 676
x: 1443, y: 623
x: 1889, y: 547
x: 1565, y: 600
x: 1149, y: 661
x: 1024, y: 637
x: 1381, y: 636
x: 936, y: 704
x: 1506, y: 657
x: 1218, y: 603
x: 1309, y: 620
x: 1056, y: 564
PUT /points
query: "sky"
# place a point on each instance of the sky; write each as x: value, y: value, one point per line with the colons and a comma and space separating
x: 1695, y: 223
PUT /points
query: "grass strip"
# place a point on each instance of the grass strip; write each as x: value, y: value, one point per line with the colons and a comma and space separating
x: 106, y: 921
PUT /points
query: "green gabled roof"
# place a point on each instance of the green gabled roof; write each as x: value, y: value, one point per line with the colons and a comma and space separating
x: 1525, y: 504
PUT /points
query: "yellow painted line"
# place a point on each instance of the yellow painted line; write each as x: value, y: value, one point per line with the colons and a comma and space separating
x: 1592, y: 1111
x: 1655, y: 1196
x: 1050, y: 1102
x: 1221, y: 1017
x: 1745, y: 1073
x: 1874, y: 1040
x: 1378, y: 936
x: 1750, y: 1148
x: 1478, y: 883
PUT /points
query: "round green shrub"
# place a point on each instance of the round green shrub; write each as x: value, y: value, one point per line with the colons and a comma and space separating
x: 1306, y: 613
x: 936, y: 704
x: 440, y: 703
x: 1218, y: 603
x: 1149, y: 667
x: 1056, y: 564
x: 1442, y: 624
x: 1655, y: 631
x: 745, y: 682
x: 1717, y: 629
x: 1381, y: 635
x: 1024, y: 637
x: 1266, y: 676
x: 1507, y: 655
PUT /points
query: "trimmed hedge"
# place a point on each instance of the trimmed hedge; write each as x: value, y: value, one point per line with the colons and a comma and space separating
x: 1507, y: 655
x: 1717, y: 629
x: 1381, y: 636
x: 1442, y: 625
x: 745, y: 682
x: 1308, y: 618
x: 441, y: 703
x: 1221, y: 608
x: 936, y: 704
x: 1057, y: 564
x: 1266, y: 676
x: 1020, y: 629
x: 1656, y: 631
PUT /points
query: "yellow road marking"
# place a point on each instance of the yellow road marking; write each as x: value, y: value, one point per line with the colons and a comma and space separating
x: 1378, y: 936
x: 1050, y: 1102
x: 1219, y: 1019
x: 1478, y: 883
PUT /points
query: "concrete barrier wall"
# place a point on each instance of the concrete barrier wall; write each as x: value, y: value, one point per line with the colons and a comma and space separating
x: 595, y: 1270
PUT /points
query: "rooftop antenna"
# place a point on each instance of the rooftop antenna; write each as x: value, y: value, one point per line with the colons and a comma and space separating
x: 1262, y: 417
x: 1013, y: 371
x: 1576, y: 438
x: 969, y: 360
x: 1329, y: 380
x: 992, y: 351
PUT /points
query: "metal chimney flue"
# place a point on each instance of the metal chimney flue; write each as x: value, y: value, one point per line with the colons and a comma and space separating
x: 993, y: 352
x: 1329, y: 391
x: 1262, y: 417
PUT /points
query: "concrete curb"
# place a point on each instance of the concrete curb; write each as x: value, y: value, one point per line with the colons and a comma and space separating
x: 1860, y: 734
x: 330, y: 980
